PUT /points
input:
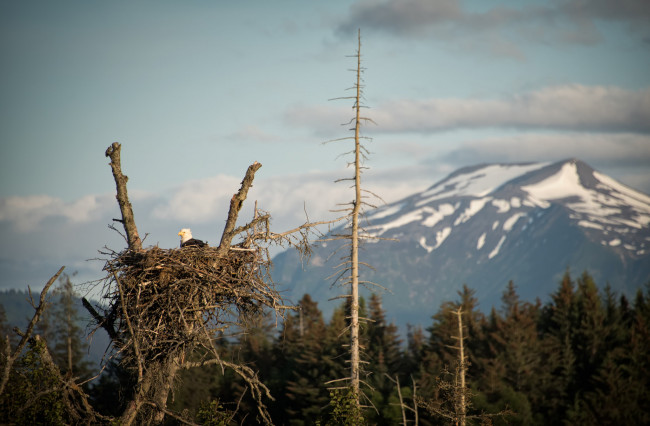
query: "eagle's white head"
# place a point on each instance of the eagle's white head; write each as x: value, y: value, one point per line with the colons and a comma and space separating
x: 185, y: 234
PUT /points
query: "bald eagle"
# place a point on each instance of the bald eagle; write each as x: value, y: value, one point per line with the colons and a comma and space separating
x: 187, y: 240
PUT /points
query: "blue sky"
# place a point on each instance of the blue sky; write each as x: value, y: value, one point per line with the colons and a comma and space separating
x: 196, y: 91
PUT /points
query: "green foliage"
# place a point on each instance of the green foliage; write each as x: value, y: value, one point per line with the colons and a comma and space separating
x: 310, y: 355
x: 581, y: 358
x: 67, y: 341
x: 30, y: 397
x: 345, y: 409
x: 213, y: 414
x: 112, y: 390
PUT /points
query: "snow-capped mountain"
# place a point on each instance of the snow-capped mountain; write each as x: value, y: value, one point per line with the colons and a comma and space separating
x: 488, y: 224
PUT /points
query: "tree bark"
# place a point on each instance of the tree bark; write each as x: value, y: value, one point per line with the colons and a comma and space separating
x: 170, y: 369
x: 128, y: 220
x: 354, y: 255
x: 462, y: 365
x: 236, y: 203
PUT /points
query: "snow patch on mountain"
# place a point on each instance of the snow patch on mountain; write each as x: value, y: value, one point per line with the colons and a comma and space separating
x: 495, y: 251
x: 405, y: 219
x: 587, y: 224
x: 604, y: 208
x: 423, y: 243
x: 475, y: 206
x: 429, y: 217
x: 593, y: 207
x: 478, y: 183
x: 481, y: 241
x: 633, y: 198
x: 563, y: 184
x: 502, y: 205
x: 441, y: 236
x: 438, y: 215
x: 510, y: 222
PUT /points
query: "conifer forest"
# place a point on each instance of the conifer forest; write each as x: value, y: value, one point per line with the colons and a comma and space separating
x: 583, y: 358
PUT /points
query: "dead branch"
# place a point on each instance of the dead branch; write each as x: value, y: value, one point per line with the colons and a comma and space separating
x: 74, y: 399
x: 236, y: 203
x: 165, y: 304
x: 11, y: 357
x: 106, y: 322
x: 128, y: 220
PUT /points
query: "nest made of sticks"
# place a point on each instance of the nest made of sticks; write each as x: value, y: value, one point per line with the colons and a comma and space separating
x: 169, y: 299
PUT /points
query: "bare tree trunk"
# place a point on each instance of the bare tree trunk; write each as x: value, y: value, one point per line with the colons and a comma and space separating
x: 354, y: 314
x: 133, y: 407
x: 462, y: 406
x: 69, y: 354
x: 128, y: 220
x: 415, y: 403
x: 236, y: 203
x: 170, y: 369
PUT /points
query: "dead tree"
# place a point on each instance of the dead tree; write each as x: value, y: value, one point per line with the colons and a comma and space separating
x: 74, y: 401
x: 461, y: 410
x: 348, y: 269
x: 453, y: 395
x: 11, y: 356
x: 402, y: 405
x: 165, y: 304
x: 453, y: 401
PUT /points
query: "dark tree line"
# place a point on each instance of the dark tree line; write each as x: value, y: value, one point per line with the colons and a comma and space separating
x: 582, y: 358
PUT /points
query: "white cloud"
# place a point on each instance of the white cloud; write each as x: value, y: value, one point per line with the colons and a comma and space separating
x: 49, y: 231
x: 198, y: 200
x: 602, y: 148
x: 252, y: 133
x: 574, y: 107
x: 571, y: 107
x: 26, y: 213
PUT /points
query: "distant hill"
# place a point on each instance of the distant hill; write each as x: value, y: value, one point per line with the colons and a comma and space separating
x: 488, y: 224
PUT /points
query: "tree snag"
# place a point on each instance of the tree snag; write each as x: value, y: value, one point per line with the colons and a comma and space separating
x: 163, y: 305
x: 236, y: 203
x: 128, y: 220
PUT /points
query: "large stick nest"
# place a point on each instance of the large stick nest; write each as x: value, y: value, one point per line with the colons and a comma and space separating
x: 169, y: 299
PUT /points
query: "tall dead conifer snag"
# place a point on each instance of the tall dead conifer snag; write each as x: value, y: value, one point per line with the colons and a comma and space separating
x: 462, y: 365
x: 454, y: 396
x: 349, y: 267
x: 354, y: 252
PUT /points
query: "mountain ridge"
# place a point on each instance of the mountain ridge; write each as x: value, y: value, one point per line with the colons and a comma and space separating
x: 487, y: 224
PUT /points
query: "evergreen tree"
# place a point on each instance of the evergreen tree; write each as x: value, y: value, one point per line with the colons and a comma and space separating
x: 590, y: 333
x: 6, y: 334
x: 112, y: 390
x: 68, y: 347
x: 305, y: 364
x: 558, y: 324
x: 31, y: 396
x: 445, y: 326
x: 414, y: 351
x: 621, y: 384
x: 254, y: 348
x: 514, y: 376
x: 384, y: 359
